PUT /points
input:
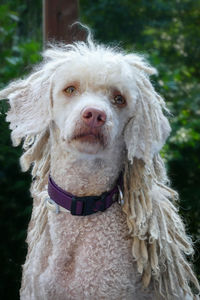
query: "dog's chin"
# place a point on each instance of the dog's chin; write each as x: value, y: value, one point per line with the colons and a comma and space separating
x: 89, y: 144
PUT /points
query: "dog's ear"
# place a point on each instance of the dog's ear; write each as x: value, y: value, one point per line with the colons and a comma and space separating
x: 30, y: 102
x: 148, y: 128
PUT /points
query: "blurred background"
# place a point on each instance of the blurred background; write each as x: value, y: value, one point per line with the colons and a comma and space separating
x: 168, y: 34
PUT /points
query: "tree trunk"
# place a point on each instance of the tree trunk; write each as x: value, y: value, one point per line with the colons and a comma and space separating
x: 58, y: 16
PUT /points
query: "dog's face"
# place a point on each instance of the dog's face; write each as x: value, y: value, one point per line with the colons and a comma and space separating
x: 92, y: 101
x: 97, y: 97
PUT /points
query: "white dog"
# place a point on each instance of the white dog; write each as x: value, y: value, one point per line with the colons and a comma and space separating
x: 93, y: 126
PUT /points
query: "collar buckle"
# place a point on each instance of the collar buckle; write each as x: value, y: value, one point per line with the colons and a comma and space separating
x: 88, y: 204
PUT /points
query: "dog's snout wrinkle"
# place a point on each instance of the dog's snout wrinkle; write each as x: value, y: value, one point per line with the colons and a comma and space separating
x: 93, y: 117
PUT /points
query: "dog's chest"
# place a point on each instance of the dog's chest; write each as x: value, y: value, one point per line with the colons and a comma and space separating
x: 91, y: 257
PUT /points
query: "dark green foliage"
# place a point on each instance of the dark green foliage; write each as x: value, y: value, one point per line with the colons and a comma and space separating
x: 19, y: 42
x: 168, y: 34
x: 19, y: 49
x: 15, y: 205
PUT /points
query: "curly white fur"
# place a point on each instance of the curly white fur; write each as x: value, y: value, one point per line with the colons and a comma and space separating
x: 106, y: 255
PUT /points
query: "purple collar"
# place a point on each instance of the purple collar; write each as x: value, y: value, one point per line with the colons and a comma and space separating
x: 82, y: 206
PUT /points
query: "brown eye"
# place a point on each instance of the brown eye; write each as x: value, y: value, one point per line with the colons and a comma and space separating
x: 119, y: 100
x: 70, y: 90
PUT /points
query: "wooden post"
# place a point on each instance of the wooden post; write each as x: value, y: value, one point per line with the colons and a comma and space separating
x: 58, y: 16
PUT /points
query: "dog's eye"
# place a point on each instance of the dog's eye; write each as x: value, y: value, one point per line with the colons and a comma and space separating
x: 70, y: 90
x: 119, y: 100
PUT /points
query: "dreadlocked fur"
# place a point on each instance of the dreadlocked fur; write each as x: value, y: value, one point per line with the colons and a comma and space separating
x: 159, y: 241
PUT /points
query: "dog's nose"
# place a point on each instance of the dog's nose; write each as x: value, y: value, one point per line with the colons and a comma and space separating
x: 93, y: 117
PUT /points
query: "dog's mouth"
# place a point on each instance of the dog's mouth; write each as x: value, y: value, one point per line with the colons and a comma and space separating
x: 91, y: 137
x: 89, y: 140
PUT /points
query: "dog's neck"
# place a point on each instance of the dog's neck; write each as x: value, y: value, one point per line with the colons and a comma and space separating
x: 85, y: 175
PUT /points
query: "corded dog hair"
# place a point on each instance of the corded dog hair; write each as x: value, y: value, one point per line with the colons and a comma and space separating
x: 159, y: 241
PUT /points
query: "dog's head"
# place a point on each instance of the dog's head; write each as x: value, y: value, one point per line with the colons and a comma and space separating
x: 95, y: 96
